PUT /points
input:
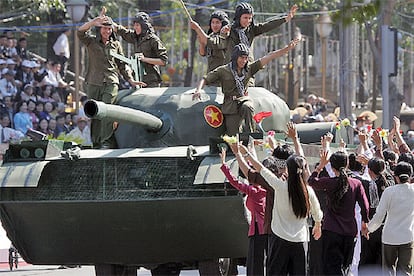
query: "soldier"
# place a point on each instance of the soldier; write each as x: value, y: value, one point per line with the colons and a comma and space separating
x: 151, y: 51
x: 102, y: 77
x: 244, y: 30
x: 213, y: 44
x: 234, y: 79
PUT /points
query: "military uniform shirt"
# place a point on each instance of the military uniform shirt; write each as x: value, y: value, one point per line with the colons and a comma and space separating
x: 251, y: 32
x: 149, y: 45
x: 217, y: 55
x: 225, y: 77
x: 102, y: 67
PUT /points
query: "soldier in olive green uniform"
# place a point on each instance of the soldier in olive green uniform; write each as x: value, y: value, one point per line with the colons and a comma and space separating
x: 213, y: 45
x: 244, y: 30
x: 151, y: 51
x: 102, y: 76
x: 234, y: 79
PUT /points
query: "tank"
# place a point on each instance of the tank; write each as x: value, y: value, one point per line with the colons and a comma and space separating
x: 158, y: 201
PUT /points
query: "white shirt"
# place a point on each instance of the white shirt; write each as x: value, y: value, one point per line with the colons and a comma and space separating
x: 285, y: 224
x: 62, y: 46
x: 7, y: 88
x: 397, y: 203
x: 85, y: 135
x: 52, y: 78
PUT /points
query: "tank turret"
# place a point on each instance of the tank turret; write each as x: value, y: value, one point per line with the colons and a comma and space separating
x: 158, y: 117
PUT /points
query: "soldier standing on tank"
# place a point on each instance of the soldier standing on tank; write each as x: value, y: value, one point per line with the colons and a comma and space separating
x: 151, y: 52
x: 234, y: 79
x: 244, y: 30
x: 213, y: 44
x: 102, y: 77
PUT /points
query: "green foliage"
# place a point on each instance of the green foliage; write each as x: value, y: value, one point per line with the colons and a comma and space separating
x: 28, y: 12
x: 354, y: 11
x: 66, y: 138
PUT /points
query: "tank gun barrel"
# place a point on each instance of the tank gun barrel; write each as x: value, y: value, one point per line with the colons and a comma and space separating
x: 99, y: 110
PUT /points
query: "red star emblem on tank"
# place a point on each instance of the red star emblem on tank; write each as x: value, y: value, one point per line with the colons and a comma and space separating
x: 213, y: 116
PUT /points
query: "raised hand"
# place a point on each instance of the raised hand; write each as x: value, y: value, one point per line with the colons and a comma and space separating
x: 342, y: 145
x: 363, y: 136
x: 103, y: 11
x: 376, y: 138
x: 294, y: 42
x: 326, y: 141
x: 291, y: 132
x: 361, y: 158
x: 291, y: 13
x: 194, y: 25
x: 324, y: 158
x: 329, y: 137
x: 397, y: 123
x: 223, y: 155
x: 225, y: 30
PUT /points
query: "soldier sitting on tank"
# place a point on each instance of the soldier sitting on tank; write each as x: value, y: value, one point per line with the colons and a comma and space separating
x: 234, y: 79
x: 102, y: 76
x: 243, y: 28
x: 150, y: 49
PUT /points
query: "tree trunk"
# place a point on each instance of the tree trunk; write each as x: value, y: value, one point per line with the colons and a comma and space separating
x: 192, y: 50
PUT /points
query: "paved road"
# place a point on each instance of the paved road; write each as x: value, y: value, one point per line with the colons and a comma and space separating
x: 40, y: 270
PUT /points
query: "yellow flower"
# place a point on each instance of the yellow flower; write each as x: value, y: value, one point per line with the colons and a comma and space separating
x: 383, y: 133
x: 229, y: 139
x: 345, y: 122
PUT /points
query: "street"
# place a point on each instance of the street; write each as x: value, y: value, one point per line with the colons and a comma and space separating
x: 53, y: 270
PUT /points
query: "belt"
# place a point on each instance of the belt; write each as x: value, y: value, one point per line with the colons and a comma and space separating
x: 232, y: 98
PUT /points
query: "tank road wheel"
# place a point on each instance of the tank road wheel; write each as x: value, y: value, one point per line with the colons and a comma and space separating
x: 220, y: 266
x: 228, y: 266
x: 115, y: 270
x: 224, y: 266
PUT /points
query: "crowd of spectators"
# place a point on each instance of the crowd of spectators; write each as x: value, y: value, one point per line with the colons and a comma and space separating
x: 365, y: 195
x: 35, y: 97
x: 316, y: 109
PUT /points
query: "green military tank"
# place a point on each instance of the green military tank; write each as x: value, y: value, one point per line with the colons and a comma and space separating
x: 159, y: 201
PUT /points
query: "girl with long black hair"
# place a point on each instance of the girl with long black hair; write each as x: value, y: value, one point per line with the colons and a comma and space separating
x: 294, y: 201
x: 340, y: 226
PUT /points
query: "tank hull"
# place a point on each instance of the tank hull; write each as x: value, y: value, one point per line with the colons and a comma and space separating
x: 142, y: 233
x: 133, y: 207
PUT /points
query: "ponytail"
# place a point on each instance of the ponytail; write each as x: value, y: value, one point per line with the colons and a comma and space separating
x: 339, y: 161
x: 341, y: 190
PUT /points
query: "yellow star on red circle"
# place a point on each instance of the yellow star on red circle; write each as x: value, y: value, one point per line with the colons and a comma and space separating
x: 213, y: 116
